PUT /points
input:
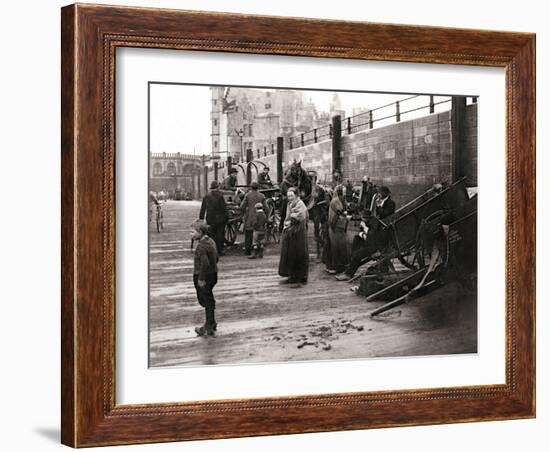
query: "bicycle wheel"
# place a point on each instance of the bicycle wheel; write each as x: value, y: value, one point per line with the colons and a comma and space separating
x: 230, y: 233
x: 276, y: 228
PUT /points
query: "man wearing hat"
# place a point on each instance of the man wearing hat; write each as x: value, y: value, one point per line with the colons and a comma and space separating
x: 264, y: 181
x: 213, y: 207
x: 384, y: 206
x: 252, y: 197
x: 230, y: 182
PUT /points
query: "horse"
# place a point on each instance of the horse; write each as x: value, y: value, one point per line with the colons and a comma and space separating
x: 297, y: 177
x: 313, y: 195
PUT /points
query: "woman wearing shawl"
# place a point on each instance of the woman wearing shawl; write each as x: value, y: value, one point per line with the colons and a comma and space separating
x: 338, y: 225
x: 294, y: 261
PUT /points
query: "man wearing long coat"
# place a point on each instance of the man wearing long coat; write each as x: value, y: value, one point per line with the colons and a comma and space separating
x: 213, y: 207
x: 252, y: 197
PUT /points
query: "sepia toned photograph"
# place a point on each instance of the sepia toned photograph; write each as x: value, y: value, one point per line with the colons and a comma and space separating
x: 291, y: 225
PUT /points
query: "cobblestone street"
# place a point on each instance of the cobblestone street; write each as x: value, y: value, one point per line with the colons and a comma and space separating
x: 262, y: 319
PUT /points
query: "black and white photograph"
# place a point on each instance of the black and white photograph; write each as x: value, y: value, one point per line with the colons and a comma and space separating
x: 291, y: 225
x: 238, y: 225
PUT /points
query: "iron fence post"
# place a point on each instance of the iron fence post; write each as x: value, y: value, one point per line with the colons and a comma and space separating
x: 280, y: 148
x: 249, y: 158
x: 336, y: 135
x: 397, y: 112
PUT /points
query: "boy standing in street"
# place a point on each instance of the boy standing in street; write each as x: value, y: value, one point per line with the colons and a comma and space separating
x: 252, y: 197
x: 205, y: 276
x: 259, y: 232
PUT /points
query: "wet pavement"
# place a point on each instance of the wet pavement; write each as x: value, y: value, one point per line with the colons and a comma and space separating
x: 263, y: 319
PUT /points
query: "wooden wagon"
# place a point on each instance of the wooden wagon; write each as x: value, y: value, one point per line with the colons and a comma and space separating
x: 432, y: 234
x: 234, y: 223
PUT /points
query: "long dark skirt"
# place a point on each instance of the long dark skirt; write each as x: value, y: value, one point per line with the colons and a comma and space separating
x: 339, y: 250
x: 294, y: 261
x: 327, y: 252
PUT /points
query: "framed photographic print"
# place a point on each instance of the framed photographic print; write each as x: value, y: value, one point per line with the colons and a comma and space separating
x: 280, y: 225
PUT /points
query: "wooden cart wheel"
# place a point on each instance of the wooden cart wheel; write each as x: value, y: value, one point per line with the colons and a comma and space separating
x: 423, y: 247
x: 231, y: 231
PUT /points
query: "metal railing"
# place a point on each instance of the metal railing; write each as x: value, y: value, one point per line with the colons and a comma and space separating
x: 367, y: 120
x: 310, y: 137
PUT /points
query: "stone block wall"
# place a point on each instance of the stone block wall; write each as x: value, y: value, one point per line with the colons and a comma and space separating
x: 471, y: 148
x: 408, y: 156
x: 315, y: 157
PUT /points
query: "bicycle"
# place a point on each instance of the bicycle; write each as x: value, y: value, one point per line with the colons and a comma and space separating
x: 272, y: 233
x: 159, y: 218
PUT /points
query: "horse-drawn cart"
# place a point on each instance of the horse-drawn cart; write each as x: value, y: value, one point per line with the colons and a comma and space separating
x: 434, y: 238
x: 234, y: 223
x: 234, y: 216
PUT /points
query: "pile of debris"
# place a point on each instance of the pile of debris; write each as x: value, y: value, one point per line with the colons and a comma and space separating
x: 323, y: 335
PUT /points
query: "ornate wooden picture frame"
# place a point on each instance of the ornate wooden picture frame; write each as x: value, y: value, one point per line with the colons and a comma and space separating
x: 90, y: 37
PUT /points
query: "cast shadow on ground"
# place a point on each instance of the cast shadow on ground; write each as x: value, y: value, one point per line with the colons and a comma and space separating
x: 50, y: 433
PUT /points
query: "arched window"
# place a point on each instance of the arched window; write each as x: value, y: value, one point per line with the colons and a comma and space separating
x: 157, y: 169
x: 171, y: 168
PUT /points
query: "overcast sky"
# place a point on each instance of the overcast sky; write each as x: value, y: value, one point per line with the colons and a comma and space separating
x: 180, y: 114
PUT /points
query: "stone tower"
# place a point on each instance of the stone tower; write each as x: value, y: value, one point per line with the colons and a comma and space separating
x: 216, y: 111
x: 288, y: 112
x: 336, y: 106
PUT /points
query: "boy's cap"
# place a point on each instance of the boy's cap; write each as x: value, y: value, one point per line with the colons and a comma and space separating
x: 200, y: 226
x: 259, y: 206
